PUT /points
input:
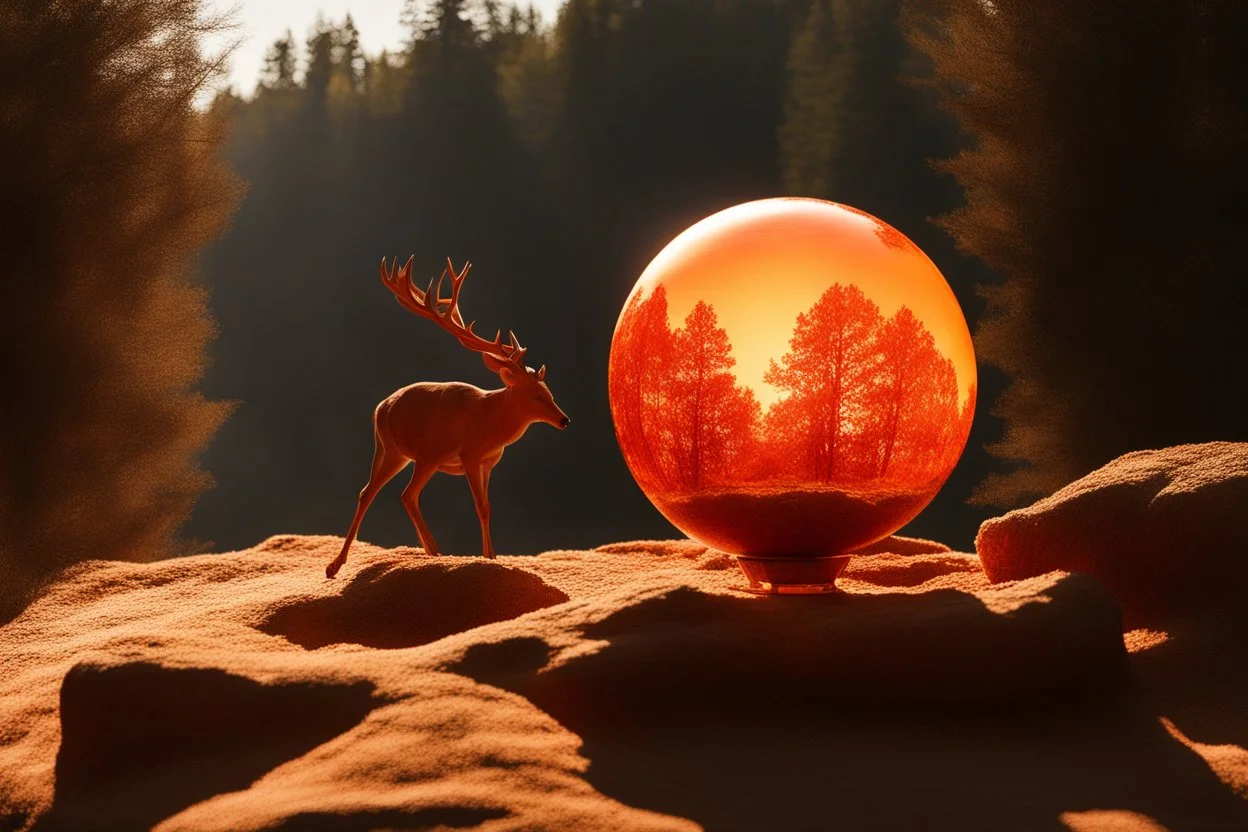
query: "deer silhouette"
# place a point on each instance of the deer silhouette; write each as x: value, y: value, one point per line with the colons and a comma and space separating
x: 451, y: 427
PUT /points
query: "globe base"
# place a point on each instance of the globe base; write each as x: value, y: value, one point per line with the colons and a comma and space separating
x: 792, y: 575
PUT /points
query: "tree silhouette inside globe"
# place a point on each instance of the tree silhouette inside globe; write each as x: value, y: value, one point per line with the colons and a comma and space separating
x: 791, y: 380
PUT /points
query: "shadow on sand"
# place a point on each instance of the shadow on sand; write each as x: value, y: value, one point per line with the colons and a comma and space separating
x: 140, y: 741
x: 868, y: 712
x: 424, y: 601
x: 1198, y: 677
x: 437, y: 817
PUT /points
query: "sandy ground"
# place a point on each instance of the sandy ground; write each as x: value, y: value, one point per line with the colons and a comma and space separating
x: 635, y: 687
x: 627, y: 688
x: 797, y: 518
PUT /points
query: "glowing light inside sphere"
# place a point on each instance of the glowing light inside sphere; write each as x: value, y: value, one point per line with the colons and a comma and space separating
x: 791, y: 379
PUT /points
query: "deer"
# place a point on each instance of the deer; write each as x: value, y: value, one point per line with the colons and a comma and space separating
x: 450, y: 427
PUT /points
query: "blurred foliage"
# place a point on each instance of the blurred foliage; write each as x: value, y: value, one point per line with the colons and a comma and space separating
x: 1106, y: 183
x: 112, y: 182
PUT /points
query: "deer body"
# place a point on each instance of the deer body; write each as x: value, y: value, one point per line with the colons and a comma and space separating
x: 447, y: 423
x: 451, y: 427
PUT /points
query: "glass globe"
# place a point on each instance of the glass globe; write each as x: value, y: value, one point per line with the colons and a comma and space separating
x: 791, y: 380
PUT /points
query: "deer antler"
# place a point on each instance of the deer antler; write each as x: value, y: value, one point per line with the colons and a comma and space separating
x: 445, y: 311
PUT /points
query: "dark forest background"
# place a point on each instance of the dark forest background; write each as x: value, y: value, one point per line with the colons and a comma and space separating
x: 559, y: 159
x: 1087, y: 198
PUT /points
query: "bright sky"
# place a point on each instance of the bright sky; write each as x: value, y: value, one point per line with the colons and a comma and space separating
x: 263, y: 21
x: 762, y: 263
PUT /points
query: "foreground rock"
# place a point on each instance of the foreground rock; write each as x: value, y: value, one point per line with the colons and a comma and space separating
x: 1166, y: 530
x: 629, y: 688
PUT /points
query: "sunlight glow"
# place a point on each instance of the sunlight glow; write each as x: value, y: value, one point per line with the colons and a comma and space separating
x: 759, y: 281
x: 791, y: 378
x: 261, y: 22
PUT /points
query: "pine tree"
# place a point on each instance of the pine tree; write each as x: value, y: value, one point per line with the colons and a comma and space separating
x: 829, y: 372
x: 856, y: 129
x: 906, y: 348
x: 347, y: 76
x: 641, y: 358
x: 120, y: 184
x: 705, y: 405
x: 278, y: 72
x: 1107, y: 153
x: 320, y: 68
x: 819, y: 70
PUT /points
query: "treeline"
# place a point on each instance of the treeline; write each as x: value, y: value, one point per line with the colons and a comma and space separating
x: 559, y: 159
x: 1103, y: 178
x: 868, y: 400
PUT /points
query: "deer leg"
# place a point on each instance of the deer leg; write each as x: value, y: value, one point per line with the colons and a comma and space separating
x: 485, y: 491
x: 478, y: 476
x: 386, y: 463
x: 411, y: 502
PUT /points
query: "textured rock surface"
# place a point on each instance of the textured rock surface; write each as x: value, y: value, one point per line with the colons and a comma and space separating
x: 628, y: 688
x: 1166, y: 530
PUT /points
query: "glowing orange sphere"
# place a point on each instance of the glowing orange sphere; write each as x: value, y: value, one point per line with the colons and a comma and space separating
x: 791, y: 377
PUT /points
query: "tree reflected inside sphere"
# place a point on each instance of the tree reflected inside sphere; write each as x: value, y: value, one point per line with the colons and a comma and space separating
x: 791, y: 380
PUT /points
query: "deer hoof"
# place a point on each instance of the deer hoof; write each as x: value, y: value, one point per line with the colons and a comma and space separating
x: 332, y: 569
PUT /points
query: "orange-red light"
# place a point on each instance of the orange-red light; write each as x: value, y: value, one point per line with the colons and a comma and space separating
x: 790, y: 380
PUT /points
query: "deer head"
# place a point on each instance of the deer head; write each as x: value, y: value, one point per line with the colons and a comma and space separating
x: 526, y: 386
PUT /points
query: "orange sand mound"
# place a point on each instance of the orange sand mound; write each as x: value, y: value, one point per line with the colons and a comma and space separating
x: 1167, y: 531
x: 791, y: 519
x: 628, y: 688
x: 1178, y: 540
